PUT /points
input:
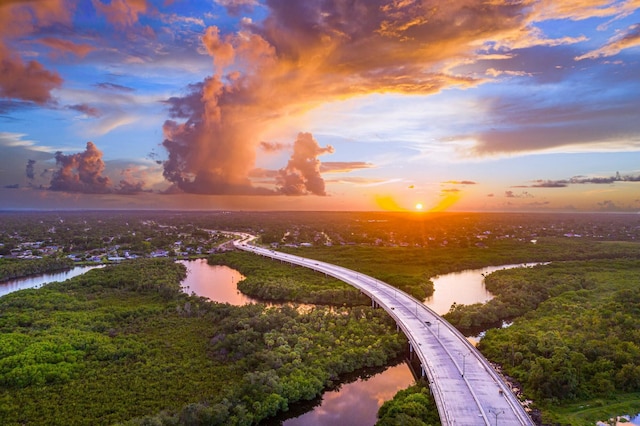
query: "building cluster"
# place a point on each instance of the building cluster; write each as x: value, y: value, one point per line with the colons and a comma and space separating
x: 109, y: 251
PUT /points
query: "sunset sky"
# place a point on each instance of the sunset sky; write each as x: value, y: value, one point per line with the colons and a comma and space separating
x: 494, y: 105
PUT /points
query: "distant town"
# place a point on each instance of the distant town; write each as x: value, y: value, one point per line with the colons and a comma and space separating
x: 188, y: 247
x: 116, y: 236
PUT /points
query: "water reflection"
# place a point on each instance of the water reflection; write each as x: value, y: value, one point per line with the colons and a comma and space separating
x: 354, y: 403
x: 39, y: 280
x: 357, y: 403
x: 466, y: 287
x: 218, y: 283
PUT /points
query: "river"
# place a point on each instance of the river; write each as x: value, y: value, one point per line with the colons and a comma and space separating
x: 356, y: 402
x: 35, y: 281
x: 216, y: 282
x: 465, y: 287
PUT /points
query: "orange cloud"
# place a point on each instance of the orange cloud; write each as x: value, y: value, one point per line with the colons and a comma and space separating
x: 122, y: 13
x: 28, y: 81
x: 84, y: 172
x: 302, y: 174
x: 80, y: 172
x: 273, y: 146
x: 67, y: 46
x: 222, y: 51
x: 307, y: 53
x: 343, y: 166
x: 626, y: 40
x: 583, y: 9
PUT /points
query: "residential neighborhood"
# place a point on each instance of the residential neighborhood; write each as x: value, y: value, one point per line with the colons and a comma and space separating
x: 101, y: 237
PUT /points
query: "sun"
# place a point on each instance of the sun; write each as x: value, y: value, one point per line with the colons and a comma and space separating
x: 419, y: 206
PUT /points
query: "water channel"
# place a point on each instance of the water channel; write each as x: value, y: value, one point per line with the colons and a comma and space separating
x: 465, y: 287
x: 35, y: 281
x: 218, y: 283
x: 355, y: 402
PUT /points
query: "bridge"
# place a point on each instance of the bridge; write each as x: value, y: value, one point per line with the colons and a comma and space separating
x: 466, y: 388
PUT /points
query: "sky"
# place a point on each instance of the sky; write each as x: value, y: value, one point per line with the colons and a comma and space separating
x: 411, y: 105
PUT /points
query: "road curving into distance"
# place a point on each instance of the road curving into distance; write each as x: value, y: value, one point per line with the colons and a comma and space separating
x: 466, y: 388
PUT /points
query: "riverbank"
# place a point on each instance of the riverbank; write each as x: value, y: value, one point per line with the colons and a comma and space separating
x: 38, y: 280
x: 576, y: 353
x: 127, y: 342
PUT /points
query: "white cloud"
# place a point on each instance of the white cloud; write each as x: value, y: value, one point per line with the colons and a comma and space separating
x: 16, y: 140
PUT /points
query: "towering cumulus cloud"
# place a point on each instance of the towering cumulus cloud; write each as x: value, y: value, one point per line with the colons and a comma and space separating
x: 84, y: 172
x: 29, y: 170
x: 302, y: 174
x: 310, y: 52
x: 81, y: 172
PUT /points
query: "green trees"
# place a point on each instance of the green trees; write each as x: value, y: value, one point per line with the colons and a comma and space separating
x: 282, y: 356
x: 580, y: 343
x: 124, y: 342
x: 521, y: 290
x: 16, y: 268
x: 412, y: 406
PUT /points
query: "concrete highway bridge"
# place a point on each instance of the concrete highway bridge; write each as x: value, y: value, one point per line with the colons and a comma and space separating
x: 466, y: 388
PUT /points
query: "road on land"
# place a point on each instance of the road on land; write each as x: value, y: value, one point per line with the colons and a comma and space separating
x: 466, y: 388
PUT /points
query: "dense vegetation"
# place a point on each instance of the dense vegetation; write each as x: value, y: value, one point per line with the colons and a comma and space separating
x: 413, y: 406
x: 14, y: 268
x: 409, y: 268
x: 385, y: 262
x: 518, y: 291
x: 283, y: 356
x: 582, y: 343
x: 274, y: 281
x: 125, y: 342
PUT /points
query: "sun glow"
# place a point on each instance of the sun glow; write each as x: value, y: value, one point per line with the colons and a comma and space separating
x: 389, y: 203
x: 447, y: 201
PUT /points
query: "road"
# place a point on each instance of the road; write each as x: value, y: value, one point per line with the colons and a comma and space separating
x: 466, y: 388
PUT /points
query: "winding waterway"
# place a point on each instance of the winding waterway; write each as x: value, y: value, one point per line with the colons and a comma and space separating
x: 217, y: 283
x: 464, y: 287
x: 35, y: 281
x: 355, y: 403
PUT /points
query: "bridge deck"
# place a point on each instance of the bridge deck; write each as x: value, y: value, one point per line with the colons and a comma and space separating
x: 467, y: 390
